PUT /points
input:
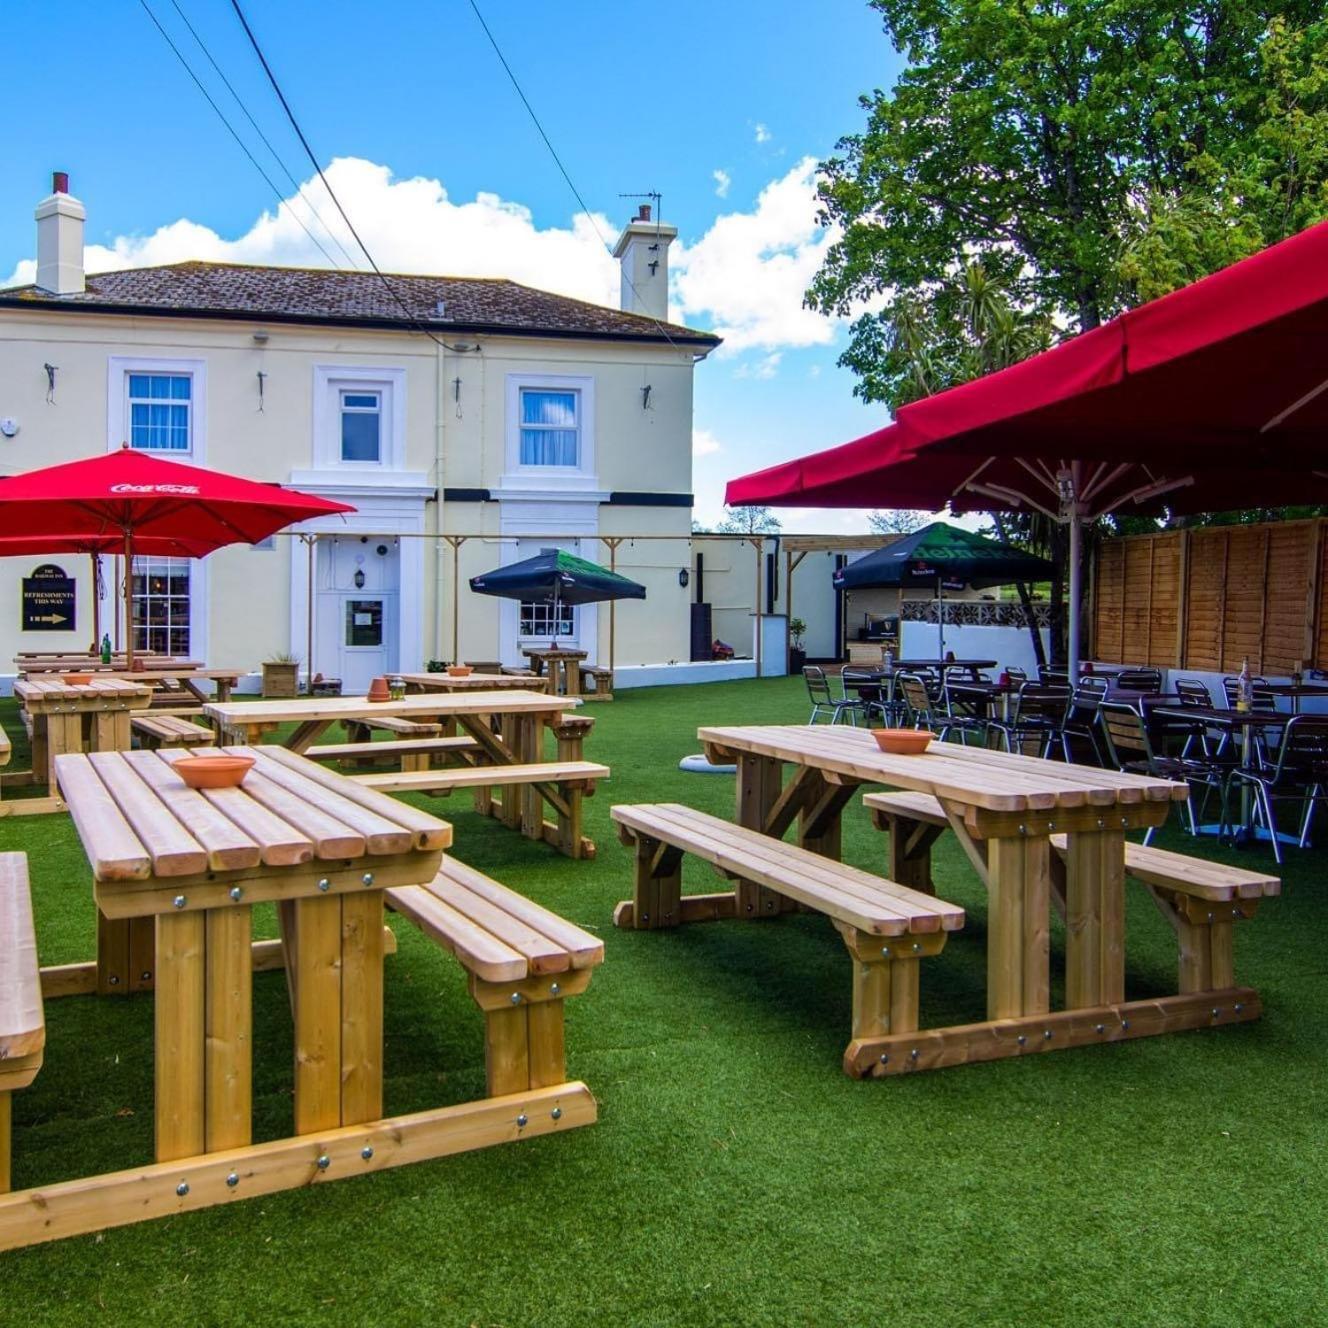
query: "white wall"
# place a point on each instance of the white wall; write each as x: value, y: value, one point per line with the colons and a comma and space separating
x: 1008, y: 646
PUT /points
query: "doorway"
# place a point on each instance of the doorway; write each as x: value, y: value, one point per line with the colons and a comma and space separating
x: 359, y: 592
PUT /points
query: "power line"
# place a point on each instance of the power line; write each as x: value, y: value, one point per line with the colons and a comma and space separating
x: 558, y: 161
x: 309, y: 152
x: 281, y: 201
x: 276, y: 156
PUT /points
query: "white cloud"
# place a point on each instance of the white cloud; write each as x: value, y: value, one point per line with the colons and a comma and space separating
x: 763, y: 369
x: 722, y: 181
x: 762, y: 134
x: 704, y: 443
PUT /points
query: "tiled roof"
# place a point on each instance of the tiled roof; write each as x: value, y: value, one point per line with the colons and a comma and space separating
x: 321, y: 295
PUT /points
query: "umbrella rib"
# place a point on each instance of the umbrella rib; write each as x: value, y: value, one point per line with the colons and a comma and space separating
x: 968, y: 483
x: 1100, y: 482
x: 1013, y: 496
x: 1295, y: 406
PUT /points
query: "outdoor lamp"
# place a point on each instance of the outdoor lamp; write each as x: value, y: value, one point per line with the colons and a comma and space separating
x: 684, y: 577
x: 358, y: 578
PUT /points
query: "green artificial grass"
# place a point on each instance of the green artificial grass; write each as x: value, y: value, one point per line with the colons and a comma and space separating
x: 736, y: 1176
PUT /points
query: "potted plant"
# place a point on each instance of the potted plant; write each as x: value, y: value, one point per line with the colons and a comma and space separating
x: 435, y: 666
x: 797, y: 655
x: 281, y: 675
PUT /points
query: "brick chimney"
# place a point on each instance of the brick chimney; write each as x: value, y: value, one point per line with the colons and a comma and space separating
x: 643, y: 253
x: 60, y: 239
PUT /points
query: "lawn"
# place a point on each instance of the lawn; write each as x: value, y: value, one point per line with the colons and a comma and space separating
x: 736, y: 1176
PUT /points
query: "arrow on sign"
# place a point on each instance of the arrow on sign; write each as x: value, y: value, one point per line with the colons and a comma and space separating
x: 52, y: 618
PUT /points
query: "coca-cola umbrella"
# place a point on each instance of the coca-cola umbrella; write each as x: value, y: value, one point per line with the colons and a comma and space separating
x: 132, y: 502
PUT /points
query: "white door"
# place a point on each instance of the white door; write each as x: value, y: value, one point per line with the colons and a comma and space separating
x: 357, y: 631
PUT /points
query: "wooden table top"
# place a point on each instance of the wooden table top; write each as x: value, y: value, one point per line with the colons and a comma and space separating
x: 159, y: 674
x: 973, y: 776
x: 138, y: 820
x: 236, y: 714
x: 41, y: 694
x: 83, y: 663
x: 1226, y: 718
x: 552, y: 652
x: 445, y: 682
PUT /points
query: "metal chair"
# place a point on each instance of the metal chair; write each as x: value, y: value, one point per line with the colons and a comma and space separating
x: 1301, y: 772
x: 818, y: 692
x: 1140, y: 680
x: 912, y: 691
x: 966, y: 713
x: 1130, y: 750
x: 1038, y: 716
x: 1081, y: 721
x: 1016, y: 676
x: 1260, y: 699
x: 1192, y: 694
x: 866, y: 698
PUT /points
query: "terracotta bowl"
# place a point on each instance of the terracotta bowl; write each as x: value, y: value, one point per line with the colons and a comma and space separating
x: 76, y: 679
x: 459, y: 671
x: 213, y: 772
x: 902, y: 742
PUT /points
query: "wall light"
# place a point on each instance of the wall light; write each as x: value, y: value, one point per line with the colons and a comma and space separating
x: 684, y: 577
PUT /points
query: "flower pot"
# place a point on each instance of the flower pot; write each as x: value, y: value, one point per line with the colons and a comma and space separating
x: 281, y: 680
x: 213, y: 772
x: 378, y: 691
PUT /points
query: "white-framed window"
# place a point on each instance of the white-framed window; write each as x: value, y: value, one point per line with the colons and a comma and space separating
x: 160, y: 411
x: 551, y: 428
x: 359, y: 418
x: 539, y: 622
x: 157, y: 405
x: 162, y: 603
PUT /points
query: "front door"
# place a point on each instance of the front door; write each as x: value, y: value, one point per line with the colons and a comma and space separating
x: 359, y: 590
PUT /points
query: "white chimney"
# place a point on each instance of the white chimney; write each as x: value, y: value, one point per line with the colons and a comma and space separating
x: 60, y: 239
x: 643, y: 252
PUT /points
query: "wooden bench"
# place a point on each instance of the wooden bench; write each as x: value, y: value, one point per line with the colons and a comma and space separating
x: 600, y: 682
x: 887, y: 927
x: 411, y: 754
x: 1200, y: 899
x: 523, y: 961
x: 22, y: 1023
x: 170, y: 731
x: 405, y: 728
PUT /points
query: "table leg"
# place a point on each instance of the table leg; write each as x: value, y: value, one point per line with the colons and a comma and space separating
x: 228, y: 1059
x: 530, y: 751
x: 572, y: 676
x: 64, y: 733
x: 180, y: 1030
x: 40, y: 759
x: 1094, y: 918
x: 758, y: 785
x: 1018, y: 927
x: 361, y: 1007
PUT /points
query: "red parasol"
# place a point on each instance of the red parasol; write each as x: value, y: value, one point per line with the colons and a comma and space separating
x: 127, y: 502
x: 1212, y: 398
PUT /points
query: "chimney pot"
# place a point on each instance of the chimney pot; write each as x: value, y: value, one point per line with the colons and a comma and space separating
x: 643, y: 212
x: 59, y: 182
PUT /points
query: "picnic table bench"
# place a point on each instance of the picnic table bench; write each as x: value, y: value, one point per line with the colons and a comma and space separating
x: 22, y: 1022
x: 1199, y: 898
x: 523, y: 961
x: 887, y: 927
x: 155, y: 730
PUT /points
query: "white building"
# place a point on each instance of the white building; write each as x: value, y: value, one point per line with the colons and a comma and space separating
x: 438, y: 406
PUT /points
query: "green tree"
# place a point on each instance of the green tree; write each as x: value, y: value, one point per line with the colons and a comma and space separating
x: 896, y: 521
x: 749, y: 521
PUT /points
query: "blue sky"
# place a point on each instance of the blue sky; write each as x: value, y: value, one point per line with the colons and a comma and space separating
x: 443, y: 171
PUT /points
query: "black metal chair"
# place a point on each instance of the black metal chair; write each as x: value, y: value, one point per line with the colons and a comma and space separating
x: 967, y: 712
x: 1038, y: 716
x: 1140, y: 680
x: 864, y: 695
x: 1130, y: 750
x: 822, y: 698
x: 918, y: 706
x: 1301, y: 772
x: 1260, y: 699
x: 1081, y: 719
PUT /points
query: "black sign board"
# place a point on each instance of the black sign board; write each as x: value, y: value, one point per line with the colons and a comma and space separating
x: 48, y: 600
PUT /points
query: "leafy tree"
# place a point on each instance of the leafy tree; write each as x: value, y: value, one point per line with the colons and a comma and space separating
x: 749, y: 521
x: 896, y: 521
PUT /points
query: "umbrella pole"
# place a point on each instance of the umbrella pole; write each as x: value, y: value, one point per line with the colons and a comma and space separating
x: 311, y: 542
x: 129, y: 599
x: 940, y: 621
x: 1076, y: 592
x: 96, y: 604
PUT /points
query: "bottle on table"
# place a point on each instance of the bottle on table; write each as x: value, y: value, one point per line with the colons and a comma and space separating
x: 106, y: 648
x: 1245, y: 687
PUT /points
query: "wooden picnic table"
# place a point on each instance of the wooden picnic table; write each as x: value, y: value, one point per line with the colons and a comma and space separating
x: 76, y: 662
x: 472, y: 682
x: 563, y: 667
x: 165, y: 681
x: 1004, y: 810
x: 89, y: 717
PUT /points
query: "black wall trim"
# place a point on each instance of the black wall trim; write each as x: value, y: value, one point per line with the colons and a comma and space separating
x: 467, y: 496
x: 627, y: 498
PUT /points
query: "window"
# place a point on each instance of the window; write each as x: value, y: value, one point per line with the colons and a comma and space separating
x: 550, y: 427
x: 159, y: 411
x: 361, y: 426
x: 161, y: 605
x: 537, y: 619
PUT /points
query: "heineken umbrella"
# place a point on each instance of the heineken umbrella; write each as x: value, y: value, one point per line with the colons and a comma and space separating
x: 942, y: 556
x: 558, y: 577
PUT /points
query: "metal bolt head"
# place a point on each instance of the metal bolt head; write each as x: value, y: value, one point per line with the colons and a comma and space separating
x: 179, y: 901
x: 367, y: 878
x: 913, y: 1055
x: 1101, y: 1028
x: 554, y: 989
x: 1216, y: 1012
x: 522, y: 1121
x: 885, y: 952
x: 1239, y: 1007
x: 145, y: 975
x: 1125, y: 1023
x: 324, y: 1162
x: 236, y: 894
x: 324, y: 884
x: 516, y: 998
x: 232, y: 1180
x: 1021, y: 1039
x: 113, y: 980
x: 885, y: 1058
x: 182, y: 1188
x: 917, y: 948
x: 557, y: 1113
x: 366, y: 1152
x: 1046, y: 1034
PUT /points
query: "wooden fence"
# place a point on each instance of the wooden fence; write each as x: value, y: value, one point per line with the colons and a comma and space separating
x: 1210, y: 597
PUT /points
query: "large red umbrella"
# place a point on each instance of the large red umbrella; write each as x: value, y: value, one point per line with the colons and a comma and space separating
x: 126, y: 501
x: 1212, y: 398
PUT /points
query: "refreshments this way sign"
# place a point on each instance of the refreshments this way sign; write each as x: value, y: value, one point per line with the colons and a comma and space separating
x: 48, y: 600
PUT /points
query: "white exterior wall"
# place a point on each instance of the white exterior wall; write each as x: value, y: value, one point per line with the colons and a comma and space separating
x: 249, y: 604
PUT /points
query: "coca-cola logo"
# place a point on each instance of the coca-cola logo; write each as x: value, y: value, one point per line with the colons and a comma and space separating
x: 154, y: 488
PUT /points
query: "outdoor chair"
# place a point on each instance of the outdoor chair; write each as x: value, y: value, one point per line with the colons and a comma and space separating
x: 1301, y: 773
x: 824, y: 701
x: 1016, y: 676
x: 1081, y: 720
x: 1191, y: 694
x: 867, y: 697
x: 1038, y: 716
x: 966, y: 713
x: 1140, y: 680
x: 918, y: 708
x: 1260, y: 699
x: 1130, y: 749
x: 1050, y: 677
